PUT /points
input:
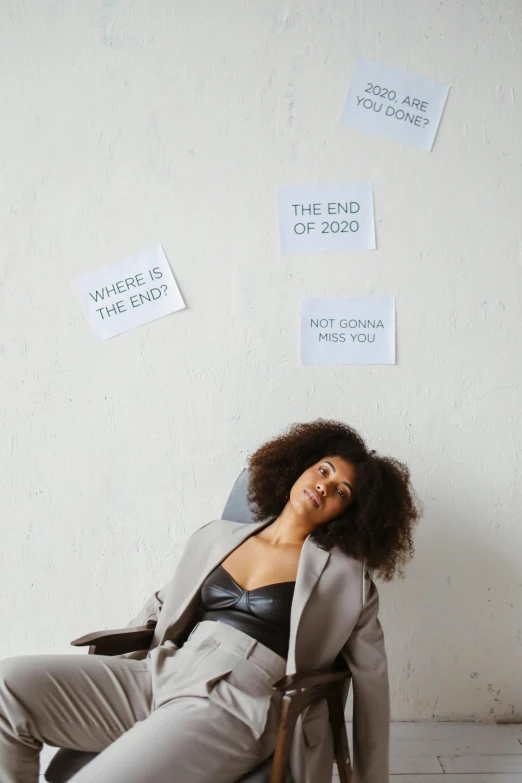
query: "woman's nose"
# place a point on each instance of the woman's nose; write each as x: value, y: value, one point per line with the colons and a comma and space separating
x: 321, y: 488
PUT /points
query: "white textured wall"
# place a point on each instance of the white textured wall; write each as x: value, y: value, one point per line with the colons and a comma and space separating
x: 130, y: 123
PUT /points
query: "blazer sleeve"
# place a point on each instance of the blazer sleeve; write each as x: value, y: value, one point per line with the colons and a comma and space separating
x: 365, y: 654
x: 149, y: 614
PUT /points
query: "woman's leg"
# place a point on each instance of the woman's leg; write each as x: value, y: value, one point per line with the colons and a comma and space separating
x: 190, y: 740
x: 83, y: 702
x: 214, y: 714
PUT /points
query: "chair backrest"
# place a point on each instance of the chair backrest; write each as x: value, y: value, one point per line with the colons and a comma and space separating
x: 237, y: 508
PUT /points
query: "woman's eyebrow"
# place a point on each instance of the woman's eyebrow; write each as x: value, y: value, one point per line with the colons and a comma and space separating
x: 342, y: 482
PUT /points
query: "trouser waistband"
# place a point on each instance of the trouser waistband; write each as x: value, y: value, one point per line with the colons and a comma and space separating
x: 249, y: 647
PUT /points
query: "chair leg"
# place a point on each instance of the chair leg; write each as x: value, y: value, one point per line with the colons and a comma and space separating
x: 340, y: 737
x: 284, y: 741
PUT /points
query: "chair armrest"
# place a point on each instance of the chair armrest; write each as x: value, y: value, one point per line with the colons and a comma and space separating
x: 116, y: 642
x: 310, y: 679
x: 301, y: 691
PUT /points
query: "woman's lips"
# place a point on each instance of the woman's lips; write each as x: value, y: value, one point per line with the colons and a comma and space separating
x: 313, y: 497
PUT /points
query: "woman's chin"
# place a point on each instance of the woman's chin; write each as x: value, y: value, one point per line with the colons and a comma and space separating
x: 308, y: 511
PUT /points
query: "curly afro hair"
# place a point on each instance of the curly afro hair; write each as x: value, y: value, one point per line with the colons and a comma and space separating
x: 377, y: 525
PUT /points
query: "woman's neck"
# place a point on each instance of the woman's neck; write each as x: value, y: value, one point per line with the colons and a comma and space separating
x: 288, y: 529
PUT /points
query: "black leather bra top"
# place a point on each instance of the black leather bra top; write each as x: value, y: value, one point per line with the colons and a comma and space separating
x: 263, y: 613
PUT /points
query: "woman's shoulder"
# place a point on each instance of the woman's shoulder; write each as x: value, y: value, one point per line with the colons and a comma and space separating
x: 205, y: 529
x: 359, y: 569
x: 215, y: 527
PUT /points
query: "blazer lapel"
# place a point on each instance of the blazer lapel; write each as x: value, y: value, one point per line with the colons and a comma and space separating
x: 217, y: 552
x: 312, y: 563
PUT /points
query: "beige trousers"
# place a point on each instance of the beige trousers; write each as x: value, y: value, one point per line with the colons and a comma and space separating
x: 207, y: 713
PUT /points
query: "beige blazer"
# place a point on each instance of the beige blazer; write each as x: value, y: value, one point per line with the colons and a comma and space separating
x: 335, y: 608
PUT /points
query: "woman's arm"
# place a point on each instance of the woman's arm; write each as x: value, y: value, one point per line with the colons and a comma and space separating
x: 365, y: 654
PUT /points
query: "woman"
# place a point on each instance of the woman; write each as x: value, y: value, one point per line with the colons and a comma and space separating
x: 248, y: 603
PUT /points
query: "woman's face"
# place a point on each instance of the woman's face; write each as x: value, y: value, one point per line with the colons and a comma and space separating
x: 325, y: 490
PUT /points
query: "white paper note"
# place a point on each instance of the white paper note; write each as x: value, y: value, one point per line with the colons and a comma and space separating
x: 130, y: 293
x: 326, y: 218
x: 355, y: 330
x: 394, y: 103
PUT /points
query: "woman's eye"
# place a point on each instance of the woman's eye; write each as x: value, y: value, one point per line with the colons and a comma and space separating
x: 323, y: 471
x: 341, y: 493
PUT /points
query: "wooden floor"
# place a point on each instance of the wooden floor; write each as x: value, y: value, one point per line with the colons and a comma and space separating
x: 444, y: 753
x: 454, y: 753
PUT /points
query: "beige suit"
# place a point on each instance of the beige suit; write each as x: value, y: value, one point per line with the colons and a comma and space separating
x: 199, y: 705
x: 335, y: 608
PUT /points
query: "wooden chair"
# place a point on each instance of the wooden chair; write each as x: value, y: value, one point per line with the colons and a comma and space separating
x: 299, y: 690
